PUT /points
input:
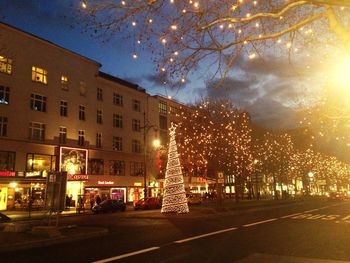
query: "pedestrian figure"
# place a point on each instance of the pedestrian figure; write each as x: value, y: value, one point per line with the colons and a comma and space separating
x: 67, y: 201
x: 92, y: 201
x: 98, y: 200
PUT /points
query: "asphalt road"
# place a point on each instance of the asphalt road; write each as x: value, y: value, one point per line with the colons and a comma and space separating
x: 311, y: 231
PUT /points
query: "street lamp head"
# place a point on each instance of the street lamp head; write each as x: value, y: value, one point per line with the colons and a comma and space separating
x: 156, y: 143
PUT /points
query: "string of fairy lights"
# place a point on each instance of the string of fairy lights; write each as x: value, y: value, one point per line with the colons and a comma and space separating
x: 214, y: 137
x: 181, y: 34
x: 174, y: 198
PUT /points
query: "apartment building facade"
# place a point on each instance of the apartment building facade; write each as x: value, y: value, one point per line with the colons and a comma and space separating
x: 58, y: 112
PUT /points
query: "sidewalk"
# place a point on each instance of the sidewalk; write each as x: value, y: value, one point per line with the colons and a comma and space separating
x: 26, y: 230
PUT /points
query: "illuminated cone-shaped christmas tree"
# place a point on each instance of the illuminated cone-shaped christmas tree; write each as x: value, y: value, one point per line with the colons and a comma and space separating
x: 174, y: 199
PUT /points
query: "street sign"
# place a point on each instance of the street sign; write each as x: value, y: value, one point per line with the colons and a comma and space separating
x: 220, y: 178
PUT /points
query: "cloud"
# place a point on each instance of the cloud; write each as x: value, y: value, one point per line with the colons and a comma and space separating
x: 270, y: 90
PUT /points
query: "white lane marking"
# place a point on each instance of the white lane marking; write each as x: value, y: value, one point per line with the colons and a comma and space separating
x: 291, y: 215
x: 260, y: 222
x: 308, y: 211
x: 205, y: 235
x: 127, y: 255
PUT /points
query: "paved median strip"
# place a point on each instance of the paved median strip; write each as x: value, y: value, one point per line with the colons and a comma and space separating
x: 205, y: 235
x: 127, y: 255
x: 260, y: 222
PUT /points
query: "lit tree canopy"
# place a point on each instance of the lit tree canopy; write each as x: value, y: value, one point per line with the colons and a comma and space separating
x: 186, y: 34
x: 215, y: 136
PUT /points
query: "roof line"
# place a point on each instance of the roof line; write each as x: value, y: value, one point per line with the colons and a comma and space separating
x: 49, y: 42
x: 121, y: 81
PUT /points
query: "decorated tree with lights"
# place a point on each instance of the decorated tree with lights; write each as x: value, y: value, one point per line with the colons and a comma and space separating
x: 215, y: 137
x: 274, y: 152
x: 174, y: 198
x: 185, y: 34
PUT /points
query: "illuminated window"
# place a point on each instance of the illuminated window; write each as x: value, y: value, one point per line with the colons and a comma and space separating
x: 39, y: 75
x: 99, y: 94
x: 64, y: 82
x: 38, y: 102
x: 98, y: 140
x: 116, y: 167
x: 136, y: 146
x: 81, y: 137
x: 136, y: 169
x: 99, y: 116
x: 3, y: 126
x: 40, y: 162
x: 37, y: 131
x: 82, y: 88
x: 136, y: 105
x: 63, y: 135
x: 117, y: 99
x: 5, y: 65
x: 64, y: 108
x: 136, y: 125
x: 117, y: 143
x: 81, y: 112
x: 4, y: 95
x: 162, y: 107
x: 117, y: 121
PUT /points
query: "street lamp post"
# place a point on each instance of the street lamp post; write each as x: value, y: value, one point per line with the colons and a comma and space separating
x: 146, y: 129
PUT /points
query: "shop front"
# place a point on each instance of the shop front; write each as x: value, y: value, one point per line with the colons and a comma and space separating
x: 105, y: 187
x: 21, y: 193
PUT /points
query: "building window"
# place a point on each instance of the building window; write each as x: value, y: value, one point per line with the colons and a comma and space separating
x: 99, y: 94
x: 38, y: 102
x: 117, y: 143
x: 116, y: 167
x: 136, y: 146
x: 162, y: 107
x: 136, y: 125
x: 136, y: 105
x: 82, y: 88
x: 136, y: 169
x: 99, y: 117
x: 39, y: 75
x: 117, y: 121
x: 95, y: 166
x: 5, y: 65
x: 117, y: 99
x: 98, y: 140
x: 40, y: 163
x: 3, y: 126
x: 64, y: 108
x: 163, y: 122
x: 174, y: 110
x: 81, y: 137
x: 7, y: 161
x: 37, y: 131
x: 81, y: 112
x: 4, y: 95
x: 63, y: 135
x: 64, y: 82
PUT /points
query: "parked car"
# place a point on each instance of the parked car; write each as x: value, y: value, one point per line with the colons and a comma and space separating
x: 194, y: 198
x: 148, y: 203
x: 109, y: 205
x: 336, y: 196
x: 4, y: 218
